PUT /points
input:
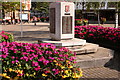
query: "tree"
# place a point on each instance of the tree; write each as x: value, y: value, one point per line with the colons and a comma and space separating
x: 11, y: 7
x: 0, y: 10
x: 41, y: 7
x: 96, y: 6
x: 117, y: 6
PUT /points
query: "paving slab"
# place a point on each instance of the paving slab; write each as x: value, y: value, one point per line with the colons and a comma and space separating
x: 97, y: 59
x: 68, y: 42
x: 87, y: 48
x: 33, y: 33
x: 100, y: 73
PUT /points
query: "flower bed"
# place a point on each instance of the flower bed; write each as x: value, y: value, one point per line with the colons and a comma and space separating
x: 27, y: 61
x: 81, y: 22
x: 5, y: 36
x: 98, y: 34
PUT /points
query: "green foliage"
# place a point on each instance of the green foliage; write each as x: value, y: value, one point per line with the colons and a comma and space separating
x: 41, y: 6
x: 81, y: 22
x: 42, y: 19
x: 78, y: 14
x: 11, y: 6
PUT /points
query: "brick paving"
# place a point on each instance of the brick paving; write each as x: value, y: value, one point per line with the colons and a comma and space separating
x: 33, y: 33
x: 100, y: 72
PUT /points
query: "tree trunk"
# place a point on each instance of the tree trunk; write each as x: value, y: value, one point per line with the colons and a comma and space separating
x: 13, y: 14
x: 0, y: 10
x: 98, y: 18
x: 116, y: 19
x: 3, y: 14
x: 11, y: 17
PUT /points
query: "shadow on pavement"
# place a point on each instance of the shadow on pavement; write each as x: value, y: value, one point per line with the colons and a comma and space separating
x: 29, y: 35
x: 98, y: 79
x: 35, y: 25
x: 29, y: 39
x: 114, y: 63
x: 25, y: 33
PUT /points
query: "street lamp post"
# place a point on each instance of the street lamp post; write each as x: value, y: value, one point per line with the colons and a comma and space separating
x: 21, y: 18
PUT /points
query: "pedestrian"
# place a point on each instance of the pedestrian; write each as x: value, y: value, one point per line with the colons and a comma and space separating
x: 34, y: 20
x: 13, y: 21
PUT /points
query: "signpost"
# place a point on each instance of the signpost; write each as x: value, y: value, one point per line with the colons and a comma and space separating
x: 24, y: 16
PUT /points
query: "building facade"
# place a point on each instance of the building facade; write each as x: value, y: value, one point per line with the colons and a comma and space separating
x: 16, y: 14
x: 107, y: 10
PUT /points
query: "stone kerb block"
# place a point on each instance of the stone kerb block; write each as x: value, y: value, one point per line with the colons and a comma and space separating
x: 61, y: 20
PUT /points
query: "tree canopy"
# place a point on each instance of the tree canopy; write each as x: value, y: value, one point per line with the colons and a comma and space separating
x: 11, y: 6
x: 41, y: 6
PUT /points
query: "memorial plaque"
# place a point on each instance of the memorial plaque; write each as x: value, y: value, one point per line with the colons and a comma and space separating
x: 67, y: 25
x: 52, y: 20
x: 61, y: 20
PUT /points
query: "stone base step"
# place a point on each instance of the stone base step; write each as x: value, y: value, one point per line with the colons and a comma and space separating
x: 63, y: 43
x: 98, y: 59
x: 87, y: 48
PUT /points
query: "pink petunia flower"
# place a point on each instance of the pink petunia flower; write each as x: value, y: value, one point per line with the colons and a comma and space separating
x: 45, y: 62
x: 34, y: 63
x: 13, y: 62
x: 37, y: 68
x: 41, y: 59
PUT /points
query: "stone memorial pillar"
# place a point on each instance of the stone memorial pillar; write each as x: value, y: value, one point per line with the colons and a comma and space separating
x: 62, y: 25
x: 61, y: 20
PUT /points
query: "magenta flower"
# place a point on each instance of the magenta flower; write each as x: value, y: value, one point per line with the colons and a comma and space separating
x: 13, y: 62
x: 16, y: 61
x: 24, y: 58
x: 45, y: 62
x: 24, y: 53
x: 5, y: 36
x: 34, y: 63
x: 2, y: 32
x: 51, y: 58
x: 41, y: 59
x: 98, y: 33
x: 31, y: 58
x: 37, y: 68
x: 34, y: 58
x: 4, y: 56
x: 60, y: 55
x: 13, y: 57
x: 46, y: 72
x: 56, y: 71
